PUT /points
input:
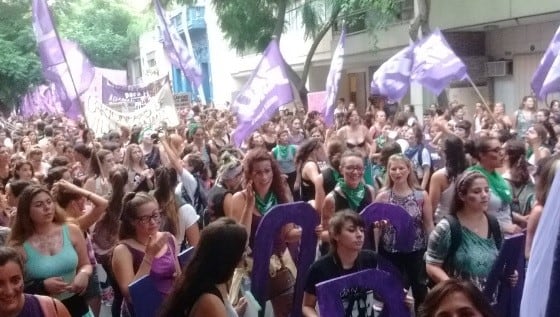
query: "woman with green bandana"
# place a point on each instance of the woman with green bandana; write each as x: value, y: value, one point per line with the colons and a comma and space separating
x: 402, y: 189
x: 285, y: 153
x: 265, y: 188
x: 350, y: 192
x: 490, y: 155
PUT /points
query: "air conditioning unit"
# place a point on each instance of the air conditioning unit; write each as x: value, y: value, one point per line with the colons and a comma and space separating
x: 499, y: 68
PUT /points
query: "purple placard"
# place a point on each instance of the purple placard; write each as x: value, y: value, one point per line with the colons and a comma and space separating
x: 510, y: 258
x: 397, y: 217
x: 387, y: 287
x: 302, y: 214
x: 146, y: 300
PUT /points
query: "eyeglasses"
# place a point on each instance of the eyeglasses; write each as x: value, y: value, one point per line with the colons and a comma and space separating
x: 497, y: 149
x: 354, y: 168
x: 146, y: 219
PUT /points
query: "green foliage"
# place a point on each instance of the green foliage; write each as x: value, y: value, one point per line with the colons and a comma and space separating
x: 106, y: 31
x: 19, y: 64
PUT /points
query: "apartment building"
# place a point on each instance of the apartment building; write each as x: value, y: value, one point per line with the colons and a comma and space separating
x: 501, y: 41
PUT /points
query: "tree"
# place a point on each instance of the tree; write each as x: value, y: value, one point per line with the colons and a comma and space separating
x: 249, y: 27
x: 20, y: 67
x: 106, y: 31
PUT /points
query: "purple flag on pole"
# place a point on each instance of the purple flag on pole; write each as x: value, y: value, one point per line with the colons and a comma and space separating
x: 547, y: 76
x: 267, y: 90
x: 333, y: 79
x: 392, y: 78
x: 435, y: 64
x: 176, y: 50
x: 63, y: 62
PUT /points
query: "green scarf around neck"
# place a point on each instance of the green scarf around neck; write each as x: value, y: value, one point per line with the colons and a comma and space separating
x: 354, y: 196
x: 496, y: 182
x: 282, y: 151
x: 264, y: 204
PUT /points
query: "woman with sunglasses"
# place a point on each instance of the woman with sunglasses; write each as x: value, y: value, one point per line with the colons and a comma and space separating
x: 143, y: 249
x: 490, y: 155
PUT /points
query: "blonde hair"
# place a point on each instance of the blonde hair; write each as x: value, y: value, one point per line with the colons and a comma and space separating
x: 127, y: 162
x: 411, y: 180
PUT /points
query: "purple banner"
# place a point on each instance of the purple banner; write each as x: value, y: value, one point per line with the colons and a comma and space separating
x: 435, y: 64
x: 547, y: 76
x: 333, y: 79
x: 267, y: 90
x: 117, y: 93
x: 392, y: 78
x: 63, y: 62
x: 176, y: 50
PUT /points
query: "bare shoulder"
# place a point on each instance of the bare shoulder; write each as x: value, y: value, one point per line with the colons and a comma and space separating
x: 208, y: 305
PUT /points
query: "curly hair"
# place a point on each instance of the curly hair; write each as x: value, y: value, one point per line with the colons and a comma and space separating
x: 259, y: 155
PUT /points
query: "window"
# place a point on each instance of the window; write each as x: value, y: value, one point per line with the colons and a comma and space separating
x: 151, y: 59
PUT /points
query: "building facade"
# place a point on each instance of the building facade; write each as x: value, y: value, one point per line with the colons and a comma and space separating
x: 501, y: 41
x: 152, y: 63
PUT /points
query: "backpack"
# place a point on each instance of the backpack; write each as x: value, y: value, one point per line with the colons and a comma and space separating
x: 457, y: 234
x: 199, y: 201
x: 420, y: 162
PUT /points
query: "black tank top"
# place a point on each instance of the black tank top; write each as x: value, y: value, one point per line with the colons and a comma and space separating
x: 329, y: 183
x: 216, y: 197
x: 341, y: 203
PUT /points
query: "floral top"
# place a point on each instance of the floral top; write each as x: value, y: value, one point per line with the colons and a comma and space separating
x: 473, y: 259
x: 413, y: 204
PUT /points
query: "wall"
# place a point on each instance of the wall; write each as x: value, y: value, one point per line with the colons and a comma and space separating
x: 220, y: 56
x: 524, y: 45
x: 447, y: 14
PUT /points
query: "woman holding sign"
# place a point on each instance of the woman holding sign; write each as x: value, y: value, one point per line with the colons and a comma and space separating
x: 265, y: 188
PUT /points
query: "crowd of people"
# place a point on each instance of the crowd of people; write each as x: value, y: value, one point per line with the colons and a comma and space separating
x: 131, y: 199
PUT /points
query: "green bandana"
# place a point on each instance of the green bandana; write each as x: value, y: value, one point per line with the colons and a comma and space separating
x: 264, y: 205
x: 192, y: 128
x: 354, y: 196
x: 336, y: 175
x: 496, y: 182
x: 282, y: 151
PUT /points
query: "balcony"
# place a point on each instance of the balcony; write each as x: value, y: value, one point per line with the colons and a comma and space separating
x: 195, y: 18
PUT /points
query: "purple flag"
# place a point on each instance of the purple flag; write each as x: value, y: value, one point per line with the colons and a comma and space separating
x: 392, y: 78
x: 176, y: 50
x: 435, y: 64
x: 547, y: 76
x: 333, y: 79
x: 267, y: 90
x: 63, y: 62
x: 42, y: 99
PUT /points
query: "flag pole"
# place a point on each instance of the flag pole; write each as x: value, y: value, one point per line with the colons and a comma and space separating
x: 481, y: 97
